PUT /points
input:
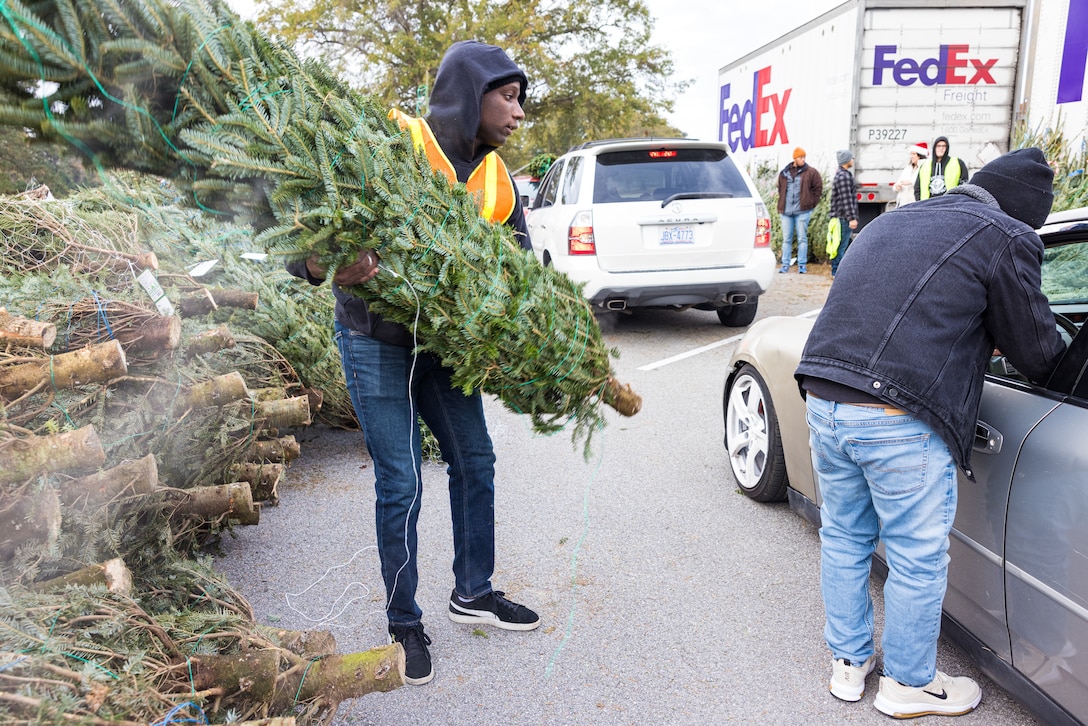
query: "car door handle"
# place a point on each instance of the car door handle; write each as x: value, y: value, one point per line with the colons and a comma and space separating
x: 988, y: 440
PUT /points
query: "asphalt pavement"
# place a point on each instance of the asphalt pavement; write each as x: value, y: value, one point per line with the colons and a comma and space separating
x: 666, y: 596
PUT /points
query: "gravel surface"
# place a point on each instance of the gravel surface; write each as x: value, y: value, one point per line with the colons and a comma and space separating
x: 666, y: 595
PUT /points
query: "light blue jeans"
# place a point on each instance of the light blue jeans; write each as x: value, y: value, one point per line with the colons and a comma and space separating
x: 800, y: 222
x: 887, y: 477
x: 390, y: 392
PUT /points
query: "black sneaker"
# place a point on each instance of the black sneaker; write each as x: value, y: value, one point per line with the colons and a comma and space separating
x: 417, y: 659
x: 492, y: 609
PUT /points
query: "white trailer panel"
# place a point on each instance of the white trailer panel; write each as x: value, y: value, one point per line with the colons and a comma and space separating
x: 877, y: 77
x: 1058, y: 80
x: 804, y: 83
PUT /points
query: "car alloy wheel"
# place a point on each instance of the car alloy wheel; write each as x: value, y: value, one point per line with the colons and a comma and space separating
x: 752, y: 439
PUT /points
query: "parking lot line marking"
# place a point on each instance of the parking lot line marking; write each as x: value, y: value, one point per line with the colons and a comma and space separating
x: 703, y: 349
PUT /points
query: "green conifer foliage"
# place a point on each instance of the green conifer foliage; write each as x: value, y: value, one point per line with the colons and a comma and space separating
x: 248, y: 130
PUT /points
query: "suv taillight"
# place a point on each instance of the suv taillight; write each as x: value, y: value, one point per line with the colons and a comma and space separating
x: 763, y: 226
x: 580, y: 235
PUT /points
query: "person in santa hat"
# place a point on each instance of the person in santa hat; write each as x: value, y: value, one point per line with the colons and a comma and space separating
x: 905, y: 185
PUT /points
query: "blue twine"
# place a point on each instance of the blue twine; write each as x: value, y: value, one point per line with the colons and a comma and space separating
x: 103, y: 317
x: 171, y: 716
x: 13, y: 663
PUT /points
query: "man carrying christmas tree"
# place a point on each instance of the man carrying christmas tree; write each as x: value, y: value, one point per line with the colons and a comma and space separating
x: 474, y: 107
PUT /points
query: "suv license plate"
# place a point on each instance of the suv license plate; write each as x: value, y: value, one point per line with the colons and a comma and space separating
x: 680, y: 234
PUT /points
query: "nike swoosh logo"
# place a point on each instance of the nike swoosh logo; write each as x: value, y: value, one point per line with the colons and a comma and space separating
x: 943, y: 695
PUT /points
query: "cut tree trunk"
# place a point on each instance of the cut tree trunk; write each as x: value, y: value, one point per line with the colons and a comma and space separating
x: 28, y: 518
x: 22, y: 459
x: 334, y: 678
x: 218, y: 391
x: 113, y: 574
x: 306, y: 643
x: 282, y: 450
x: 141, y: 261
x: 157, y: 335
x: 139, y: 476
x: 285, y: 413
x: 242, y: 299
x: 263, y: 480
x: 26, y: 332
x: 233, y: 501
x: 196, y: 302
x: 97, y: 363
x: 210, y: 341
x: 317, y: 398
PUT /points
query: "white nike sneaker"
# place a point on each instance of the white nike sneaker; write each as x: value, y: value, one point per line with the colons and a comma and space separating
x: 848, y: 680
x: 944, y: 696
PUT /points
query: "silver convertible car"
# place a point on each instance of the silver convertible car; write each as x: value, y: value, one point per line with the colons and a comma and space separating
x: 1017, y: 599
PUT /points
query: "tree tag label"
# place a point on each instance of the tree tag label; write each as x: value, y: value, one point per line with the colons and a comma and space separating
x: 155, y: 292
x: 202, y: 268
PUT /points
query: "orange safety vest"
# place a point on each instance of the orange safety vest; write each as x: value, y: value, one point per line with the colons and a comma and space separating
x: 489, y: 182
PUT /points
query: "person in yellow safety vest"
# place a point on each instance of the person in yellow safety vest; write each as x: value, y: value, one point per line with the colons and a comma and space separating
x: 939, y: 174
x: 475, y: 105
x: 490, y: 182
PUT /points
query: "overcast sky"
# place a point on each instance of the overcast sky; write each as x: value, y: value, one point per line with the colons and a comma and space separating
x: 702, y: 37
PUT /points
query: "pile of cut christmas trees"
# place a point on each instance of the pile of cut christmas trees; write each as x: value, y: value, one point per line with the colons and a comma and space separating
x: 129, y: 438
x: 248, y: 133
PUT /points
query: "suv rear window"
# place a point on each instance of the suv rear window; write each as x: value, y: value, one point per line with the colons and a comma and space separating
x: 656, y: 174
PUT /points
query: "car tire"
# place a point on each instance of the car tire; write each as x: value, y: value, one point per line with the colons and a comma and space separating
x: 738, y: 316
x: 753, y: 442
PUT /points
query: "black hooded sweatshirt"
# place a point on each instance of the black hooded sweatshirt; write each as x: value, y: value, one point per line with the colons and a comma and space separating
x: 468, y: 71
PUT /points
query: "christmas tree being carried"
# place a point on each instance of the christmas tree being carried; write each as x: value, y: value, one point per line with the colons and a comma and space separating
x: 250, y: 131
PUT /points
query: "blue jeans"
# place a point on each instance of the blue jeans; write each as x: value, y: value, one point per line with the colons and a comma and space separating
x: 389, y: 387
x: 889, y: 477
x: 789, y: 222
x: 844, y: 242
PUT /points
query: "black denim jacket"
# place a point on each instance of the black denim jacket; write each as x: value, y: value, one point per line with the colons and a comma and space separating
x: 921, y: 299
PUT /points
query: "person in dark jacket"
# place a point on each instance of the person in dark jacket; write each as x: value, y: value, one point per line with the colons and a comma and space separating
x: 892, y: 374
x: 843, y: 205
x: 940, y: 173
x: 476, y: 103
x: 799, y: 190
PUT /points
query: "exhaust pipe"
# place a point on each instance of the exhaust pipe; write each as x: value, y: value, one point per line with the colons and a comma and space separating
x: 737, y: 298
x: 616, y: 304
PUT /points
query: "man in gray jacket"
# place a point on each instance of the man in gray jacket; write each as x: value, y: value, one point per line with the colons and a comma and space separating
x: 893, y: 373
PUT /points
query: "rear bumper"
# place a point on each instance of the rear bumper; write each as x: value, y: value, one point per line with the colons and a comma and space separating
x: 713, y: 288
x: 713, y: 295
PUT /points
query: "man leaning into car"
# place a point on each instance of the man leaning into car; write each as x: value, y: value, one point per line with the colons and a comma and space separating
x: 893, y: 373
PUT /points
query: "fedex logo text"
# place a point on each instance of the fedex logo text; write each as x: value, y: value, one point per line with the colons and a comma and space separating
x: 746, y: 124
x: 951, y: 66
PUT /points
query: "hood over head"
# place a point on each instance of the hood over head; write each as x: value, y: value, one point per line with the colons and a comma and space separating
x: 947, y: 148
x: 1022, y: 183
x: 469, y: 69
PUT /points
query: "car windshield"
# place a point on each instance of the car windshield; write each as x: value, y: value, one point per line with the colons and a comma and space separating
x: 1065, y: 269
x: 658, y: 173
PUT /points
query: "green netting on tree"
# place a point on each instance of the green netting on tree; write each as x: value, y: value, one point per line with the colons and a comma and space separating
x: 249, y: 130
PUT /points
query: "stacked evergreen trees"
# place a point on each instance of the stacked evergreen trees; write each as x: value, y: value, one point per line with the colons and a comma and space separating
x: 250, y: 131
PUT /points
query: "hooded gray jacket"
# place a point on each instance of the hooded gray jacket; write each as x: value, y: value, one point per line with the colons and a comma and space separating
x: 921, y: 301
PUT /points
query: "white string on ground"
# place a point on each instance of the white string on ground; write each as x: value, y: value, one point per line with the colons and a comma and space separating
x: 333, y: 613
x: 574, y: 568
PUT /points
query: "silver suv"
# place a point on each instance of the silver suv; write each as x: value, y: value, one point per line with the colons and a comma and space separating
x: 656, y: 223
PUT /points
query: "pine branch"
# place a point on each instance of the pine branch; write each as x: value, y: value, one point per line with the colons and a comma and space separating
x: 242, y: 124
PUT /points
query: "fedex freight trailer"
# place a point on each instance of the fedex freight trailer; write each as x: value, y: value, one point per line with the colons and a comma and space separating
x: 879, y: 76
